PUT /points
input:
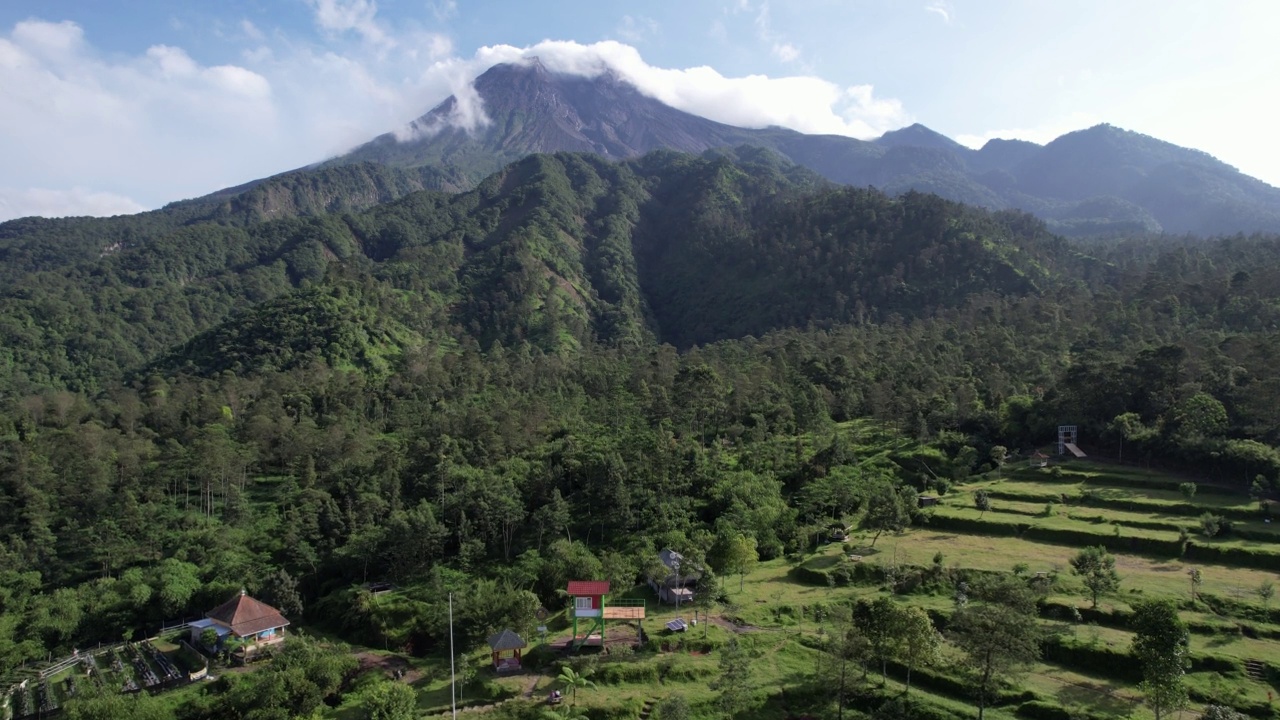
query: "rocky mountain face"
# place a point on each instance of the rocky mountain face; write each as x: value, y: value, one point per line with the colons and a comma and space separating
x: 530, y: 109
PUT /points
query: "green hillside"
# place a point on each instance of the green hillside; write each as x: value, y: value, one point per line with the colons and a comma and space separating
x: 558, y: 251
x: 579, y: 363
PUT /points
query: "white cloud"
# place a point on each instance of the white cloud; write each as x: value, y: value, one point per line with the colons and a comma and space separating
x: 943, y: 9
x: 1040, y: 134
x: 49, y: 41
x: 144, y: 127
x: 172, y: 61
x: 358, y: 15
x: 63, y: 203
x: 804, y: 103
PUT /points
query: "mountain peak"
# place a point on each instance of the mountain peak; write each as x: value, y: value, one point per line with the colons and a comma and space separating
x: 918, y: 135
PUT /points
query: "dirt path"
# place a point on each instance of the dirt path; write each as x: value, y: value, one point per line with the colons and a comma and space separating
x: 533, y: 684
x: 393, y: 666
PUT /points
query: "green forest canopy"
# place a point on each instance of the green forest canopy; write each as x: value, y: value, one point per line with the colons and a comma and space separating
x: 567, y: 368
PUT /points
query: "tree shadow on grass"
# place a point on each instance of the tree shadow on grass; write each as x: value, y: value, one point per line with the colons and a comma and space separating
x: 1218, y: 641
x: 1096, y: 697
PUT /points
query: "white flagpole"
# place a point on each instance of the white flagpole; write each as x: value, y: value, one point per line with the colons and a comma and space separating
x: 453, y: 677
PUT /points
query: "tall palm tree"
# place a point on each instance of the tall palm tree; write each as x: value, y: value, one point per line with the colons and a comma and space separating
x: 575, y: 680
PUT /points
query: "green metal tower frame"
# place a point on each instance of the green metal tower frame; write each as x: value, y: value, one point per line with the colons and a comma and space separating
x: 598, y: 623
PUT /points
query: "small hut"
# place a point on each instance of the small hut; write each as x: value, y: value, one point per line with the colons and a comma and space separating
x: 506, y: 647
x: 925, y: 501
x: 672, y: 588
x: 1039, y: 459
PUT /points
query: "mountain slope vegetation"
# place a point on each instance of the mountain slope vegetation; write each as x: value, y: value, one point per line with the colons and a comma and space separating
x: 578, y: 363
x: 557, y: 251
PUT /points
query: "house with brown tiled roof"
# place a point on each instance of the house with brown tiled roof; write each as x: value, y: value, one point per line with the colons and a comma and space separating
x: 253, y: 623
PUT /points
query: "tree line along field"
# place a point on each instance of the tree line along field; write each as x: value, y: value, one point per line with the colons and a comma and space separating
x: 782, y: 614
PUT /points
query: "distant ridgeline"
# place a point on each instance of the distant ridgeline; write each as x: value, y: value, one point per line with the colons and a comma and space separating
x: 1102, y: 180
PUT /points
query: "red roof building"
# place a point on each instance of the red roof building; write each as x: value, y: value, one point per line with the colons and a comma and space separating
x: 585, y: 588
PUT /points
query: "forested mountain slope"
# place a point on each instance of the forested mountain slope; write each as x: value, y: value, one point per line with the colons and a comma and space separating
x: 559, y: 251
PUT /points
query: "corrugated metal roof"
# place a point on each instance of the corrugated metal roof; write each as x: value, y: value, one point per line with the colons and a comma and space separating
x: 582, y: 588
x: 671, y: 558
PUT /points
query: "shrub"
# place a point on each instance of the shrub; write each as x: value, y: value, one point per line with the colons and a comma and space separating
x: 1210, y: 524
x: 982, y: 500
x: 674, y: 707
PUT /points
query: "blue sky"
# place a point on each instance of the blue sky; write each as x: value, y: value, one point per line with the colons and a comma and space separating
x: 115, y: 107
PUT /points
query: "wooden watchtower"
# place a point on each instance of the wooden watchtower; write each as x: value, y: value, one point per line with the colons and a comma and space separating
x: 589, y: 604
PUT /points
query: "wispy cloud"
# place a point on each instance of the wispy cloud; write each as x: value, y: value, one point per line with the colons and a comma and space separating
x: 943, y: 9
x: 359, y: 16
x: 444, y: 10
x: 781, y: 48
x: 1040, y: 134
x: 718, y: 31
x: 251, y: 31
x: 786, y: 52
x: 76, y: 201
x: 141, y: 130
x: 635, y: 29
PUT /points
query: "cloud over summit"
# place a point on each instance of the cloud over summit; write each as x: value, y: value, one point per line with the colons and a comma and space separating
x: 800, y: 102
